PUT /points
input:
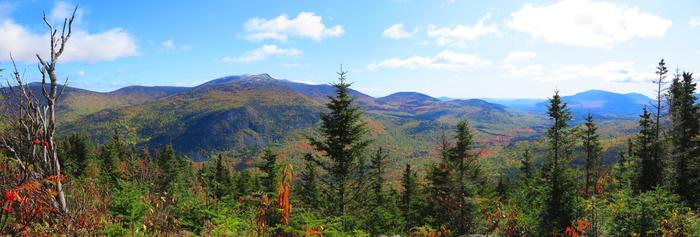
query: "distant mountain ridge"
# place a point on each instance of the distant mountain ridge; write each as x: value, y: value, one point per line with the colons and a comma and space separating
x: 604, y: 104
x: 249, y: 111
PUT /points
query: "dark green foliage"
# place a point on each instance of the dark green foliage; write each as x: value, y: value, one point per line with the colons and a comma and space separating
x: 641, y: 214
x: 385, y: 219
x: 526, y: 167
x: 467, y: 172
x: 592, y: 150
x: 409, y: 207
x: 222, y: 182
x: 111, y: 155
x: 172, y: 170
x: 343, y: 146
x: 649, y: 174
x: 310, y: 191
x: 560, y: 194
x: 441, y: 204
x: 246, y: 183
x: 684, y: 114
x: 127, y: 203
x: 75, y: 153
x: 377, y: 166
x: 270, y: 170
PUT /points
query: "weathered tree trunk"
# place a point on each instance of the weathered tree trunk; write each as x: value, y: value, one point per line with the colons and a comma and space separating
x: 31, y: 138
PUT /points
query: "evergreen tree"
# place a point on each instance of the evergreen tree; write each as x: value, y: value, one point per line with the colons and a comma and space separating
x: 408, y: 197
x: 343, y: 143
x: 310, y: 192
x: 270, y: 169
x: 172, y: 168
x: 526, y: 167
x: 377, y: 165
x: 649, y: 166
x: 77, y: 151
x: 246, y: 183
x: 660, y: 82
x: 684, y: 113
x: 441, y: 204
x: 465, y: 164
x: 222, y: 183
x: 560, y: 194
x: 502, y: 187
x: 592, y: 149
x: 110, y: 157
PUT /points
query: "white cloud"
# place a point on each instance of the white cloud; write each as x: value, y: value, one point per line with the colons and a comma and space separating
x: 694, y: 22
x: 396, y: 31
x: 80, y: 73
x: 535, y: 70
x: 63, y: 10
x: 444, y: 60
x: 305, y: 25
x: 264, y: 52
x: 459, y: 33
x: 169, y: 45
x: 612, y: 72
x: 82, y: 46
x: 587, y: 23
x: 519, y: 56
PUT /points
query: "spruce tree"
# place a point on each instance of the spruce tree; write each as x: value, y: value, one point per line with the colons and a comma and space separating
x: 592, y: 149
x: 645, y: 147
x: 170, y: 168
x: 222, y: 183
x: 684, y: 113
x: 465, y: 165
x: 560, y: 193
x: 408, y: 196
x: 77, y: 151
x: 343, y: 144
x: 441, y: 204
x: 270, y: 169
x: 660, y: 82
x: 110, y: 157
x: 377, y: 165
x: 526, y: 167
x: 310, y: 192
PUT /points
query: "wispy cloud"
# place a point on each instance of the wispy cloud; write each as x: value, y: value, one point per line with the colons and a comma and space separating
x: 444, y: 60
x: 305, y: 25
x: 587, y: 23
x: 170, y: 45
x: 262, y: 53
x: 62, y: 10
x: 694, y: 22
x: 84, y: 46
x: 397, y: 31
x: 612, y: 72
x: 460, y: 33
x: 519, y: 56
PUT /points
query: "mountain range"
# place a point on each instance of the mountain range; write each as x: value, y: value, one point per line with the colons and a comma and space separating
x: 246, y: 112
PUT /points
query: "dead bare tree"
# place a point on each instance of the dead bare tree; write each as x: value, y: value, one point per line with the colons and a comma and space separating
x: 31, y: 119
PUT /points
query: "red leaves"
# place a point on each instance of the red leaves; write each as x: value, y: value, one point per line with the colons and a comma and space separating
x: 8, y: 200
x: 43, y: 143
x: 579, y: 230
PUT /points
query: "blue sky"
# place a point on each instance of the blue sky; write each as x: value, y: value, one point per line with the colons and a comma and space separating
x: 454, y: 48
